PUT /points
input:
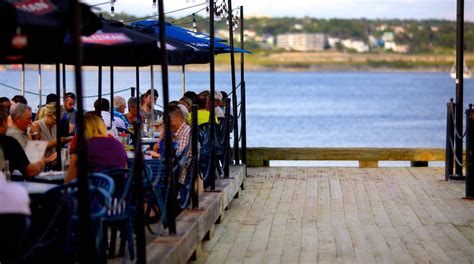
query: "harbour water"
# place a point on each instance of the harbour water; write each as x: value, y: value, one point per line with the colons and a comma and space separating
x: 340, y: 109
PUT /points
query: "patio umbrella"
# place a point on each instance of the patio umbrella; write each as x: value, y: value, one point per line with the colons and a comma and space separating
x: 33, y: 31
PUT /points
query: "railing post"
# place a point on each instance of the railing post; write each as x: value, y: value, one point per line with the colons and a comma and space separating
x: 227, y: 139
x: 243, y: 106
x: 470, y: 153
x: 194, y: 142
x: 449, y: 160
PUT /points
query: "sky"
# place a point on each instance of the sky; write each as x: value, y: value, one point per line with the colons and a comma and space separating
x: 372, y: 9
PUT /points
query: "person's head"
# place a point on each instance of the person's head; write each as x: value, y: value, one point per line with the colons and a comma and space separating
x: 191, y: 95
x: 132, y: 106
x: 94, y: 126
x: 186, y: 102
x: 21, y: 116
x: 101, y: 105
x: 224, y: 95
x: 50, y: 113
x: 201, y: 100
x: 51, y: 98
x: 5, y: 102
x: 176, y: 117
x: 19, y: 99
x: 69, y: 101
x: 147, y: 98
x: 120, y: 104
x: 3, y: 119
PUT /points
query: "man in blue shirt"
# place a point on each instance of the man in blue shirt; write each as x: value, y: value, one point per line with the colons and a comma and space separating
x: 119, y: 110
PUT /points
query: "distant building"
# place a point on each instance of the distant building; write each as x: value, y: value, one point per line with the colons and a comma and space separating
x: 333, y: 42
x: 390, y: 45
x: 375, y: 42
x: 434, y: 28
x: 399, y: 30
x: 303, y: 41
x: 388, y: 36
x: 356, y: 45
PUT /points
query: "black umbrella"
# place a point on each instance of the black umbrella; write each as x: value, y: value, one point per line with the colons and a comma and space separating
x: 33, y: 31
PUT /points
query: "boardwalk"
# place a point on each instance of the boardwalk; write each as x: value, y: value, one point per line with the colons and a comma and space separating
x: 344, y: 215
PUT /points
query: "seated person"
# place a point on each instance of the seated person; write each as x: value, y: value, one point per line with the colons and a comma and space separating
x: 14, y: 153
x: 147, y: 105
x: 51, y: 98
x: 132, y: 114
x: 181, y: 135
x: 14, y: 218
x: 21, y: 120
x: 102, y: 108
x: 45, y: 129
x: 119, y: 110
x: 202, y: 100
x: 103, y: 152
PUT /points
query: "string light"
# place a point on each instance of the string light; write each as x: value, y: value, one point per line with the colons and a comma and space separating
x: 194, y: 23
x: 112, y: 8
x: 154, y: 4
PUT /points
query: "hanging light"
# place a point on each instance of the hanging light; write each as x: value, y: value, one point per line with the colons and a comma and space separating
x: 112, y: 8
x: 194, y: 23
x: 154, y: 4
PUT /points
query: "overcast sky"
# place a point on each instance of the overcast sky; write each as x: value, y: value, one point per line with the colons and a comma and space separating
x: 417, y: 9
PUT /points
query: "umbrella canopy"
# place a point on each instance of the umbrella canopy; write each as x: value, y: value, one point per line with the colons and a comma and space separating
x: 32, y: 31
x: 196, y: 39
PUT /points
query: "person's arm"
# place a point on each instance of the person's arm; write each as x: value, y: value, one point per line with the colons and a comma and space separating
x: 72, y: 169
x: 35, y: 131
x: 34, y: 169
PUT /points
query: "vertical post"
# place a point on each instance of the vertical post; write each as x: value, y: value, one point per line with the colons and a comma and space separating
x: 99, y: 88
x: 58, y: 117
x: 459, y: 84
x: 83, y: 196
x: 212, y: 121
x: 227, y: 139
x: 234, y: 90
x: 195, y: 150
x: 168, y: 147
x: 40, y: 86
x: 449, y: 158
x: 23, y: 79
x: 152, y: 94
x: 183, y: 79
x: 137, y: 79
x: 470, y: 153
x: 111, y: 95
x: 243, y: 102
x: 64, y: 80
x: 138, y: 178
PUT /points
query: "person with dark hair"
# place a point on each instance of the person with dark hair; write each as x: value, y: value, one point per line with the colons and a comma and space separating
x: 102, y: 108
x: 5, y: 102
x: 132, y: 110
x: 68, y: 118
x: 202, y: 100
x: 19, y: 99
x: 191, y: 95
x: 14, y: 153
x: 148, y: 106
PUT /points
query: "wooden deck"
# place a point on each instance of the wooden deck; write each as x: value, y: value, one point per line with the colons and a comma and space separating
x: 344, y: 215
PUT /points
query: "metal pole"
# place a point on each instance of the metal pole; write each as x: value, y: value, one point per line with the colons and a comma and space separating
x: 138, y: 177
x: 132, y: 91
x: 195, y: 153
x: 234, y: 89
x: 137, y: 79
x: 183, y: 79
x: 64, y: 80
x: 40, y: 86
x: 83, y: 196
x: 99, y: 88
x: 459, y: 84
x: 168, y: 151
x: 227, y: 139
x: 212, y: 121
x: 23, y: 79
x: 58, y: 117
x: 111, y: 95
x: 470, y: 153
x: 243, y: 102
x: 449, y: 158
x: 152, y: 94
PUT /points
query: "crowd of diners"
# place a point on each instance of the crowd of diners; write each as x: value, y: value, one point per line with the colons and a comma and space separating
x: 19, y: 125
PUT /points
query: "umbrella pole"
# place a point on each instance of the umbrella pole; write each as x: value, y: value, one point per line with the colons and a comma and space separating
x: 152, y: 94
x: 212, y: 109
x: 168, y: 146
x: 40, y: 86
x: 243, y: 103
x: 23, y: 79
x: 58, y: 117
x: 459, y: 87
x: 234, y: 90
x: 111, y: 95
x: 183, y: 79
x: 137, y: 79
x: 99, y: 88
x: 64, y: 80
x: 86, y: 243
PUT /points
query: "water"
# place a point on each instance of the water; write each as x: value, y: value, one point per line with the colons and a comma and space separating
x: 310, y: 109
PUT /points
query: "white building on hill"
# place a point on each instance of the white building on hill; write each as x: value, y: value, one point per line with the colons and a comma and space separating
x: 303, y: 41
